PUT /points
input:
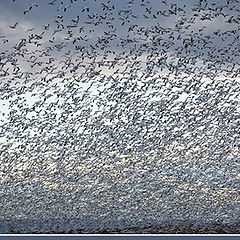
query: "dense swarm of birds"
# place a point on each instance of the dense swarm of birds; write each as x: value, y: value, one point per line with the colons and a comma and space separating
x: 121, y: 110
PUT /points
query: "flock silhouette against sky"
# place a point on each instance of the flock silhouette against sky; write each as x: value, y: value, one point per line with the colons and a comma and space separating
x: 120, y: 109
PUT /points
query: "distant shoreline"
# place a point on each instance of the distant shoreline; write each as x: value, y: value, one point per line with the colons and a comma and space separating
x: 59, y: 227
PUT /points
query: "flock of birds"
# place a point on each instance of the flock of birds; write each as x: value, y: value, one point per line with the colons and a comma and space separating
x: 107, y: 94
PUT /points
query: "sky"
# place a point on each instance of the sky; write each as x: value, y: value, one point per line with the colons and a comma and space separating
x: 100, y: 23
x: 56, y: 44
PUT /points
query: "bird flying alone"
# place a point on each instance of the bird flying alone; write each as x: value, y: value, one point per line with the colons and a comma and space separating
x: 13, y: 26
x: 30, y: 8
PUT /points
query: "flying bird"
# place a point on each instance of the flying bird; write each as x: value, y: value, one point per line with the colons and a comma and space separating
x: 13, y: 26
x: 30, y: 8
x: 52, y: 3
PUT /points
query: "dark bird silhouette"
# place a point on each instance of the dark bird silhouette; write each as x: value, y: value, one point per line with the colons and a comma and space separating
x: 13, y: 26
x: 30, y: 8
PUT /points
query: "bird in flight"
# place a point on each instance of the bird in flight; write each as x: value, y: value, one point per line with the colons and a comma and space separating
x: 30, y: 8
x: 13, y: 26
x: 52, y: 3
